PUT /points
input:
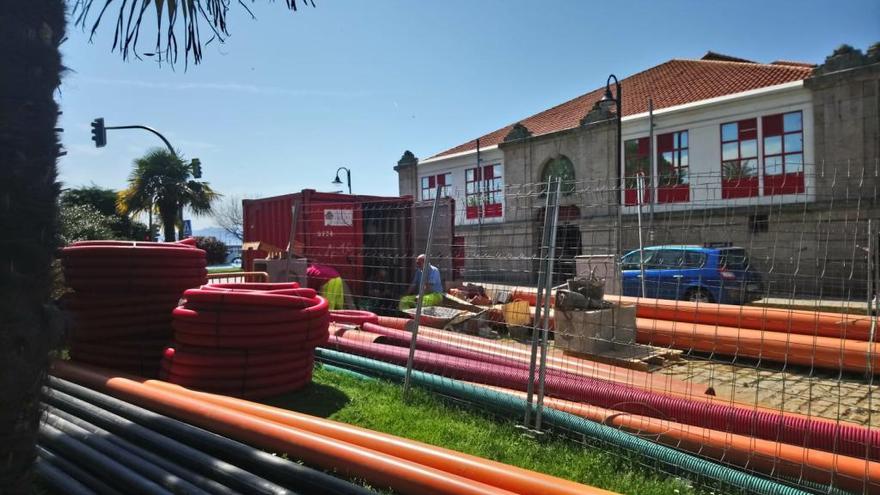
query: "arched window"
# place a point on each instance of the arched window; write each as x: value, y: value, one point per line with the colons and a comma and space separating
x: 559, y: 168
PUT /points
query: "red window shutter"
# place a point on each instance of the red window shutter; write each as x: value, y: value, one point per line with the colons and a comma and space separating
x: 441, y: 180
x: 431, y: 183
x: 665, y: 142
x: 748, y: 129
x: 772, y: 125
x: 644, y: 146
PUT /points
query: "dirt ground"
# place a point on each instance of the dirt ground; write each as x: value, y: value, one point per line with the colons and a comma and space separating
x: 828, y: 395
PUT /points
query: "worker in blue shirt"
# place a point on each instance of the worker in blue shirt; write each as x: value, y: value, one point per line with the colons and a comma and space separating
x: 433, y: 295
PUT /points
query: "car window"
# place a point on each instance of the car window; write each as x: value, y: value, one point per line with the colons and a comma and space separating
x: 694, y: 259
x: 668, y: 259
x: 734, y: 259
x: 631, y: 261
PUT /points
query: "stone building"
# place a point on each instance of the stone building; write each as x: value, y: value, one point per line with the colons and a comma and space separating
x: 782, y: 158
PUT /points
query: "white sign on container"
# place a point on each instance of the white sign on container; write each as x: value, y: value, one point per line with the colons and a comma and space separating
x: 338, y: 218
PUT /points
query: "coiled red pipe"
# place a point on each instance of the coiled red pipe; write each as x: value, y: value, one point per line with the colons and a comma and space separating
x: 123, y: 296
x: 249, y: 340
x: 849, y: 440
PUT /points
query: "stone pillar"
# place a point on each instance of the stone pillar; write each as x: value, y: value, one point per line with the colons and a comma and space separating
x: 407, y: 174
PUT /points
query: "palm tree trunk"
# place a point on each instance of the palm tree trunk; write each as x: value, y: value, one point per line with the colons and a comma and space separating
x: 30, y: 33
x: 168, y: 213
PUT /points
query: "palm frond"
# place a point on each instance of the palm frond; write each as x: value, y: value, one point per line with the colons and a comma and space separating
x: 192, y: 14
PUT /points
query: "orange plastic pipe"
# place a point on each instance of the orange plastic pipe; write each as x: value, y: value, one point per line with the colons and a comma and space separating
x: 823, y: 324
x: 504, y: 476
x: 803, y: 322
x: 381, y: 470
x: 805, y: 350
x: 768, y: 457
x: 581, y: 367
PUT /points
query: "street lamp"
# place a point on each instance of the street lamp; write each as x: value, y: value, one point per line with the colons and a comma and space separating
x: 338, y: 182
x: 605, y: 102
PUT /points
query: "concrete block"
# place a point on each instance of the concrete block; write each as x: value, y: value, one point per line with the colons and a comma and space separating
x: 597, y: 331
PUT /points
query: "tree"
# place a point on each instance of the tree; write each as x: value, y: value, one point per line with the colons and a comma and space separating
x: 163, y: 181
x: 103, y: 201
x: 229, y: 216
x: 215, y: 249
x: 31, y: 33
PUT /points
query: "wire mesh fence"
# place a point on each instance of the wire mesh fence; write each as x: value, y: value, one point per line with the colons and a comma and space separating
x: 715, y: 327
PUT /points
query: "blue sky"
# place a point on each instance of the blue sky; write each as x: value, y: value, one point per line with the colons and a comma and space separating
x: 292, y: 96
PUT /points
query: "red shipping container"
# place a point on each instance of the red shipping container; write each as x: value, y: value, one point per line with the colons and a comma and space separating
x: 330, y: 230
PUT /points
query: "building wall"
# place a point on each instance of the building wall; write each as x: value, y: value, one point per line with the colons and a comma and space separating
x: 457, y: 166
x: 703, y: 122
x: 846, y: 106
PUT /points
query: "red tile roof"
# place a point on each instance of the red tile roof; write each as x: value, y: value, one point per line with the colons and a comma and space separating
x: 669, y: 84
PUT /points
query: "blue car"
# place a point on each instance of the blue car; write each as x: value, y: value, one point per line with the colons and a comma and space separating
x: 692, y: 273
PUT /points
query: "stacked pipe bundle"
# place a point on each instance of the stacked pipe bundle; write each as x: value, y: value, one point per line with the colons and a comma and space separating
x: 769, y: 441
x: 250, y: 340
x: 123, y: 295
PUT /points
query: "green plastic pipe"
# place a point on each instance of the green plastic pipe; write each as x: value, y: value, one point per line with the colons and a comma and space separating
x: 510, y: 405
x: 347, y: 372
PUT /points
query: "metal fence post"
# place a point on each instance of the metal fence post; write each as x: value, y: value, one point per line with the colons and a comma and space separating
x: 291, y: 240
x: 545, y: 241
x: 641, y: 189
x: 418, y: 318
x: 551, y: 254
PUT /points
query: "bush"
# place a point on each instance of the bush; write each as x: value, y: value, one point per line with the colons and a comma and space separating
x: 215, y: 249
x: 83, y: 223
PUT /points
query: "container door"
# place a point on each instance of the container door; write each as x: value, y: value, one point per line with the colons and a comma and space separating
x: 444, y: 234
x: 334, y: 236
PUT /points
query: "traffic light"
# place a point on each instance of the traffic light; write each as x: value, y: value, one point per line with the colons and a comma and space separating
x: 99, y: 133
x: 196, y: 165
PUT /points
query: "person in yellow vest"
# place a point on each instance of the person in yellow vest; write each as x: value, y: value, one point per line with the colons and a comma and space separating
x: 328, y: 283
x: 433, y: 295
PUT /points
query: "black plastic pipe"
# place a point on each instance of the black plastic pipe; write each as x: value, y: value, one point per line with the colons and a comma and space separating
x: 58, y: 480
x: 91, y: 481
x: 113, y: 472
x: 288, y: 473
x: 145, y: 468
x: 206, y: 484
x: 224, y: 472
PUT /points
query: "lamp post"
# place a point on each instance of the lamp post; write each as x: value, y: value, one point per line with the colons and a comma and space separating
x: 606, y: 100
x: 338, y: 182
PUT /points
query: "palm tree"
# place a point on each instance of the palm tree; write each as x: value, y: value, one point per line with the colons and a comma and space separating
x: 31, y: 33
x: 162, y: 180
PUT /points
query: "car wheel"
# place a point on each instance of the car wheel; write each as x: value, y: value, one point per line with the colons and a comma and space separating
x: 699, y: 295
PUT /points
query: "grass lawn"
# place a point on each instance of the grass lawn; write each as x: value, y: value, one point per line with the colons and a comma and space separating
x: 378, y: 405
